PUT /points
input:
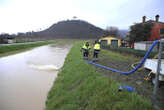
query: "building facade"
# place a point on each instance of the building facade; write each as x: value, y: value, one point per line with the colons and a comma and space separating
x: 110, y: 41
x: 157, y: 31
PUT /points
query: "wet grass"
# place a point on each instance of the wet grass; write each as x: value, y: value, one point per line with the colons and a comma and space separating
x: 116, y: 56
x: 123, y: 62
x: 129, y: 51
x: 80, y: 86
x: 11, y: 48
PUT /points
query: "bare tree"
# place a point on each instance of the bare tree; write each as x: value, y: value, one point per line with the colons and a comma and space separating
x: 112, y: 31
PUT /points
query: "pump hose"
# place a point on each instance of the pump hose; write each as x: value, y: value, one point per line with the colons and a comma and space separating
x: 133, y: 70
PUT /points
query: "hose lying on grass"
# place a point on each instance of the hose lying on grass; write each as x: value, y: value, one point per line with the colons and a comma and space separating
x: 133, y: 70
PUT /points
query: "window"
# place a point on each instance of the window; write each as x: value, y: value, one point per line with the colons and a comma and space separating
x: 162, y: 31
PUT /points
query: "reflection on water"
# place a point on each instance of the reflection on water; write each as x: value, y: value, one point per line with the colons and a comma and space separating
x: 26, y: 78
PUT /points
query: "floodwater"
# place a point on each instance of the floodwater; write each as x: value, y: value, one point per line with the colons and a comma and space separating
x: 26, y: 78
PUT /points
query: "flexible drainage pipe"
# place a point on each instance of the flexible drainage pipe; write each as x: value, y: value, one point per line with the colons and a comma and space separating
x: 133, y: 70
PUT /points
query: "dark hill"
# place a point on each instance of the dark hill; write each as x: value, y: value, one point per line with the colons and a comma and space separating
x: 72, y: 29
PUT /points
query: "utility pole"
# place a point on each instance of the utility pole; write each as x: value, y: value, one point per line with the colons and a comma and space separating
x: 156, y: 84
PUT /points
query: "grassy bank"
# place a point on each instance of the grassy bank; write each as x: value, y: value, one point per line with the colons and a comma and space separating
x: 80, y: 86
x: 129, y: 51
x: 12, y: 49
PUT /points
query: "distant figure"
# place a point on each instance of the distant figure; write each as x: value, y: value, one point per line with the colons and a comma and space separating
x: 86, y: 47
x: 96, y: 50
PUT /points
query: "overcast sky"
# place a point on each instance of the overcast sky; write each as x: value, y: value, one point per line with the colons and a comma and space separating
x: 27, y: 15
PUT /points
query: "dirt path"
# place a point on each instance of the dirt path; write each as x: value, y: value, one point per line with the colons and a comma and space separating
x: 136, y: 80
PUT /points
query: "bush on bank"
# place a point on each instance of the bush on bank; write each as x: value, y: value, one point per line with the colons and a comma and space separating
x: 137, y: 53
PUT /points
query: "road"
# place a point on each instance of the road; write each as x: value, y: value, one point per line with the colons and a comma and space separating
x: 23, y: 43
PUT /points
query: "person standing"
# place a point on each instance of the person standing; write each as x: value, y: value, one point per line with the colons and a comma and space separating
x: 85, y: 48
x: 96, y: 50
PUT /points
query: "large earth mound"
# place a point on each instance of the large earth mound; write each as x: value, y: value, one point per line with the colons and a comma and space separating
x: 72, y: 29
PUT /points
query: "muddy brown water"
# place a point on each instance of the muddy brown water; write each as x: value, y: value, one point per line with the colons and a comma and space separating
x: 26, y: 78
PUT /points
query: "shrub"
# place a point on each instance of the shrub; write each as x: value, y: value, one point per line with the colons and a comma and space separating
x: 137, y: 53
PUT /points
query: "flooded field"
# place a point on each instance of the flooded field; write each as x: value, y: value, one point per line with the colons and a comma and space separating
x: 26, y: 78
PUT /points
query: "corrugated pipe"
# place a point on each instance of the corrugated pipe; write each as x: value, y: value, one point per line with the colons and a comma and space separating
x: 133, y: 70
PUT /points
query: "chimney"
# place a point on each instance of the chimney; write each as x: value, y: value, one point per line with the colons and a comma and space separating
x: 143, y: 19
x: 157, y: 18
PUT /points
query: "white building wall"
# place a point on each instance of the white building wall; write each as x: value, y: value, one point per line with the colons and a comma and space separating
x: 10, y: 41
x: 139, y: 46
x: 145, y: 46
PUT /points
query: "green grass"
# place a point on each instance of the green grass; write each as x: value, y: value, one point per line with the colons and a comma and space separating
x: 12, y: 49
x: 5, y: 49
x: 79, y: 86
x: 115, y: 56
x: 138, y: 53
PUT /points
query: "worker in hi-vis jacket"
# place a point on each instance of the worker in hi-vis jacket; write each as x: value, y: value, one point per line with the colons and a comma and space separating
x: 85, y: 49
x: 96, y: 50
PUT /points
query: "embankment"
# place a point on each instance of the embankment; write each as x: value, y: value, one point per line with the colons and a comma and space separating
x: 80, y: 86
x: 12, y: 49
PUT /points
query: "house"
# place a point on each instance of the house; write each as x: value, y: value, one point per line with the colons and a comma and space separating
x: 6, y: 39
x: 110, y: 41
x: 157, y: 32
x: 9, y: 40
